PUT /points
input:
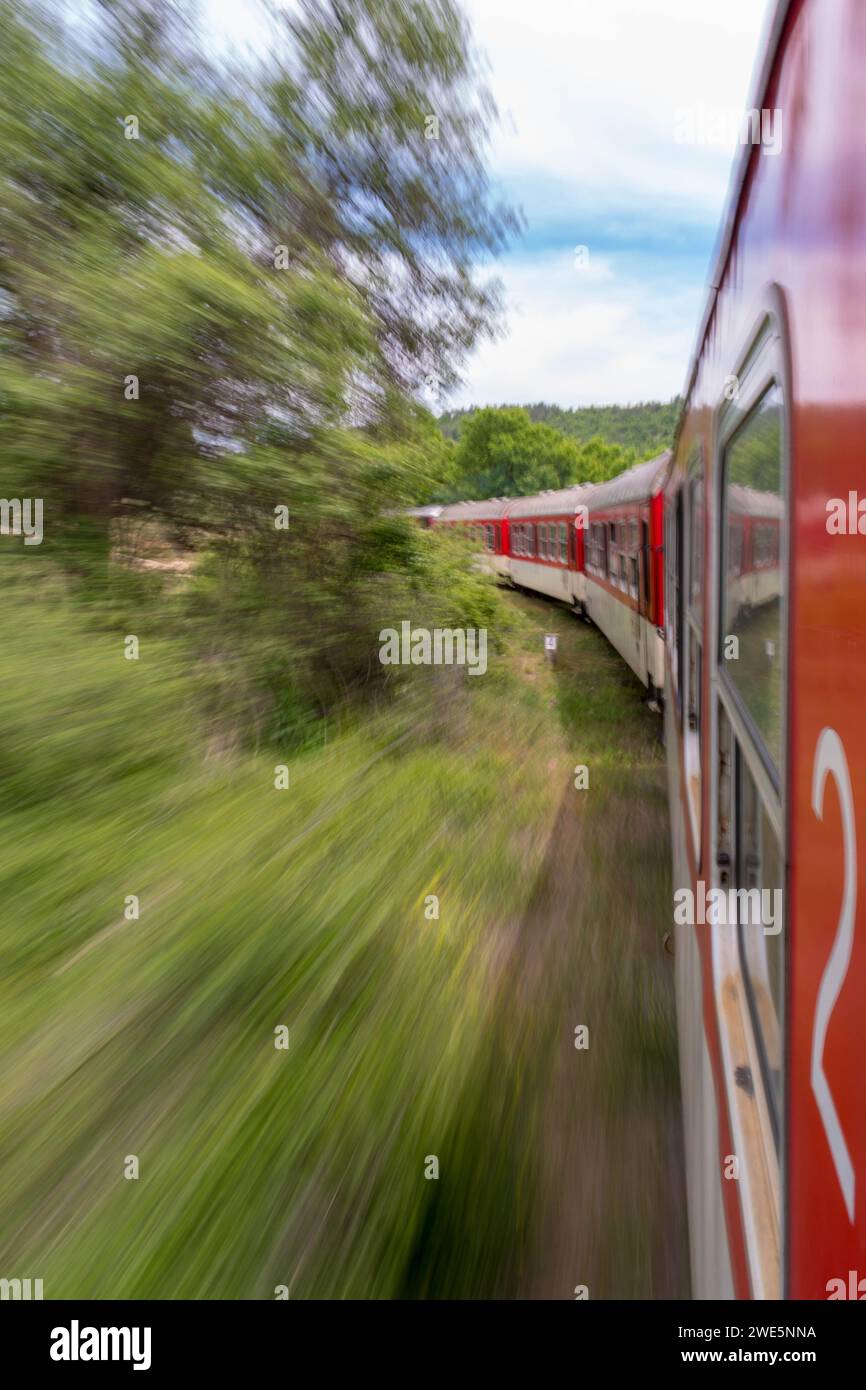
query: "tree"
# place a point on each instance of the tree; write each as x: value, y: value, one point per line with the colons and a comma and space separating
x: 218, y: 292
x: 646, y: 428
x: 502, y: 453
x: 275, y: 257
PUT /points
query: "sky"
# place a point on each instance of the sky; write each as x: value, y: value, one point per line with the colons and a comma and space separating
x: 593, y: 94
x: 604, y: 290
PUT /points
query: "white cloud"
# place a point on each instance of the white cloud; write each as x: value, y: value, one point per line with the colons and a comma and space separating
x: 590, y: 94
x: 578, y: 339
x: 589, y: 89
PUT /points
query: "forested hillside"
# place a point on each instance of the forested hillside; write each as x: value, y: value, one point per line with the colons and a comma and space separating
x: 506, y: 451
x: 646, y: 427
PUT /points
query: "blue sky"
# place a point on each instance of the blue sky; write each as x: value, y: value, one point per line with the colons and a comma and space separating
x: 590, y: 93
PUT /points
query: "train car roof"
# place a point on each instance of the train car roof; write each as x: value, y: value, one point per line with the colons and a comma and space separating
x: 747, y: 501
x: 766, y: 60
x: 431, y: 511
x: 490, y: 510
x: 555, y: 502
x: 634, y: 485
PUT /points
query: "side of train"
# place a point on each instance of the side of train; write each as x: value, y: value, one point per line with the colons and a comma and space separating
x: 597, y: 547
x: 717, y: 575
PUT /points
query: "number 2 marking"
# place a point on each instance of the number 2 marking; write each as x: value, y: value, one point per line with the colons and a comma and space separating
x: 830, y: 759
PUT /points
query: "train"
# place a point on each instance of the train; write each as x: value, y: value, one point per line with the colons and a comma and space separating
x: 715, y: 572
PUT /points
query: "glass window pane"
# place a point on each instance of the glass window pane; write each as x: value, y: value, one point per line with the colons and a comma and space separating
x: 696, y: 550
x: 754, y: 515
x: 759, y: 866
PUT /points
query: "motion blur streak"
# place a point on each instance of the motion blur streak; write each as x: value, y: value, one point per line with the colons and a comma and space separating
x: 276, y: 933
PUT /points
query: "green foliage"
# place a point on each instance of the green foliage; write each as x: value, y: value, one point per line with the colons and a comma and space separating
x: 647, y: 428
x: 232, y: 312
x: 408, y: 1035
x: 502, y: 452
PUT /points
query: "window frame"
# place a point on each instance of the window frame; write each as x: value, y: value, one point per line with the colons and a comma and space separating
x: 691, y: 623
x: 764, y: 360
x: 734, y: 422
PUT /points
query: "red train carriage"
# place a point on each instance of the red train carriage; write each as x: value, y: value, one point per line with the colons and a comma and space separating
x: 754, y: 547
x: 624, y: 568
x: 546, y: 543
x: 766, y: 669
x: 487, y: 523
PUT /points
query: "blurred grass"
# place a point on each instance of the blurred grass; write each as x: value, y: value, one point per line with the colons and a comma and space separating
x: 258, y: 908
x: 305, y: 907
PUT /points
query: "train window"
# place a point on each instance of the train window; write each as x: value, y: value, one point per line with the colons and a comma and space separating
x: 644, y: 529
x: 611, y: 558
x: 634, y: 579
x: 623, y: 577
x: 696, y: 544
x: 760, y: 866
x: 750, y: 862
x: 563, y: 543
x: 753, y: 506
x: 677, y: 599
x: 692, y: 619
x: 542, y: 543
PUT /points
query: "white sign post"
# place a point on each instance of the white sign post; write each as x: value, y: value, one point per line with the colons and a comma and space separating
x: 550, y: 640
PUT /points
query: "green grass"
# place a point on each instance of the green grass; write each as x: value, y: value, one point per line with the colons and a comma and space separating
x: 305, y: 908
